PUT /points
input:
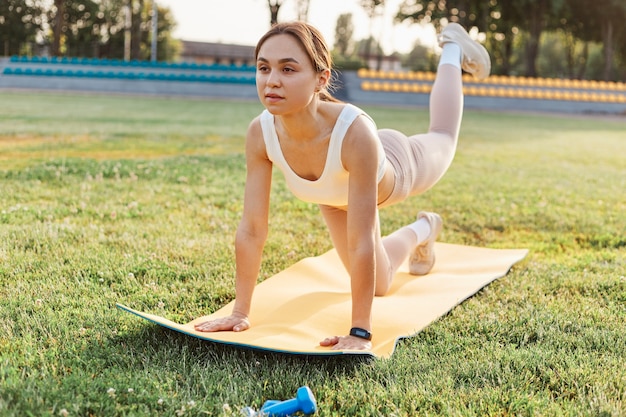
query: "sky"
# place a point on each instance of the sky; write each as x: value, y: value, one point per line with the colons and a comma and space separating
x: 243, y: 22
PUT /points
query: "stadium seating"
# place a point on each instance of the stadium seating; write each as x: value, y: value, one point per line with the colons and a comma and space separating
x: 129, y: 70
x: 498, y: 86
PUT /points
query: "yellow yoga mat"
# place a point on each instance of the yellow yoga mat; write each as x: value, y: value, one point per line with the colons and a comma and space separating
x: 309, y: 301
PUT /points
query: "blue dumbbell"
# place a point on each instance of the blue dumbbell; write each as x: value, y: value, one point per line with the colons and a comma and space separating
x: 304, y: 402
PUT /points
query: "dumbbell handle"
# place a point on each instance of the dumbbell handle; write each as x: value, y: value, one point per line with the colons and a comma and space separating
x: 282, y: 408
x: 304, y: 402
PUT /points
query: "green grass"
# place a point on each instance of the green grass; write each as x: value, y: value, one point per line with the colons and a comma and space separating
x: 118, y: 198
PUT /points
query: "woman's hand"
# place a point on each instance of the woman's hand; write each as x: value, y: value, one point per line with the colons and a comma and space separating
x: 347, y: 343
x: 234, y: 322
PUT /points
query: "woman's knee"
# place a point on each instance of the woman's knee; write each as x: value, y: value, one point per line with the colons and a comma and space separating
x: 381, y: 292
x: 383, y: 282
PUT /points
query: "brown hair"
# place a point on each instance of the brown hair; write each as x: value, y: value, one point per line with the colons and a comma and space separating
x: 313, y: 44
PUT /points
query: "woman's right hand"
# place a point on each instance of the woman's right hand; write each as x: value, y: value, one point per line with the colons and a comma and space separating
x: 235, y: 322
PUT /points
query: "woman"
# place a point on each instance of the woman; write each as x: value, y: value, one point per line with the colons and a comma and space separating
x: 332, y: 154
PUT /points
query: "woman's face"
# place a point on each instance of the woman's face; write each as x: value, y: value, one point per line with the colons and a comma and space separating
x: 285, y: 79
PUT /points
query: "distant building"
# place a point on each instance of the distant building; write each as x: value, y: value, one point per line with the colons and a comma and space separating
x: 383, y: 62
x: 217, y: 53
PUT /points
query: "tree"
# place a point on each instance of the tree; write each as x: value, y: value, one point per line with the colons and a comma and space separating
x: 139, y: 16
x: 420, y: 59
x: 502, y: 31
x: 57, y: 13
x: 76, y: 27
x: 113, y: 45
x: 344, y: 31
x: 535, y: 23
x: 20, y: 21
x: 372, y: 8
x: 274, y: 7
x: 112, y: 33
x: 467, y: 13
x: 302, y: 8
x: 505, y: 17
x: 534, y: 17
x: 96, y: 28
x: 601, y: 23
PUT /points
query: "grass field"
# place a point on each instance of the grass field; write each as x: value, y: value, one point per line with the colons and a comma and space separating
x: 136, y: 200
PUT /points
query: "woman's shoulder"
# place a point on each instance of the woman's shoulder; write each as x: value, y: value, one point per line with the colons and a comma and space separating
x: 357, y: 119
x: 255, y: 127
x: 343, y: 112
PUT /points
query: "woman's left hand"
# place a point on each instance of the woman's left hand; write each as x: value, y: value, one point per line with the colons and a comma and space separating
x: 347, y: 343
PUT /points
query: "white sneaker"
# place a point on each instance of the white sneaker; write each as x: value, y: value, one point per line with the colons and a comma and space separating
x: 476, y: 59
x: 422, y: 259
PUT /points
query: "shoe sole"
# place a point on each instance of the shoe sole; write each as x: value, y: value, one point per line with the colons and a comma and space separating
x: 471, y: 49
x: 421, y: 268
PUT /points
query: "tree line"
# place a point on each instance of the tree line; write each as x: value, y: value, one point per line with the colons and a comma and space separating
x: 86, y: 28
x: 556, y: 38
x: 578, y: 39
x: 520, y: 24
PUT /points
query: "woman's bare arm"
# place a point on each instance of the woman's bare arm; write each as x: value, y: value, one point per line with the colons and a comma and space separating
x: 251, y: 233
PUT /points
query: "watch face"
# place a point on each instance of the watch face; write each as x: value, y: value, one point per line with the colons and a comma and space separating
x: 362, y: 333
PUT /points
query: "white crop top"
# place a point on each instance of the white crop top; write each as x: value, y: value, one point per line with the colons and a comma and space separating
x: 331, y: 188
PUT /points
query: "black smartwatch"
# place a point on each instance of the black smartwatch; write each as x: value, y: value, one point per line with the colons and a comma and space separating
x: 360, y: 333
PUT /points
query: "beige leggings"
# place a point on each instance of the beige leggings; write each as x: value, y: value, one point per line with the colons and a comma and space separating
x: 419, y: 161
